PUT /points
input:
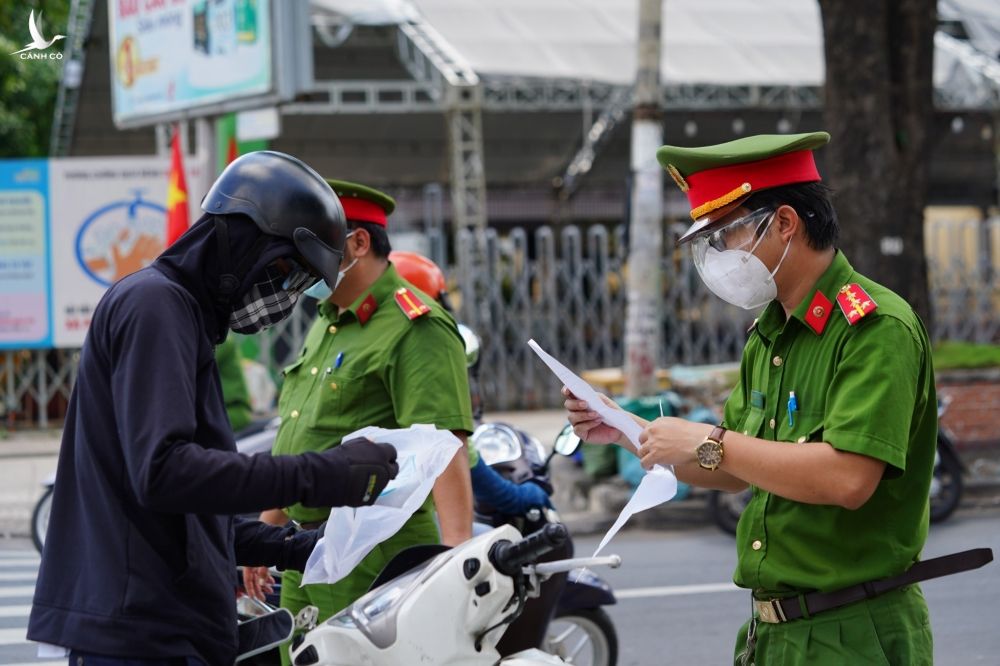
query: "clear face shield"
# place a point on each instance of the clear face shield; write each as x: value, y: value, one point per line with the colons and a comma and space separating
x: 726, y: 262
x: 743, y: 233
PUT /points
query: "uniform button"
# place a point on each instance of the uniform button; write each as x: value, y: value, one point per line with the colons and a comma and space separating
x: 818, y: 312
x: 314, y: 371
x: 294, y: 414
x: 771, y: 424
x: 333, y: 386
x: 757, y: 545
x: 777, y: 361
x: 802, y: 439
x: 332, y: 329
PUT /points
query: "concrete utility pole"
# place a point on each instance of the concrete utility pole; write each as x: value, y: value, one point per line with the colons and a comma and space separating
x: 642, y: 321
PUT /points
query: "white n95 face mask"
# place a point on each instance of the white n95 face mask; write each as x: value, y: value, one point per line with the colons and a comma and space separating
x: 736, y: 275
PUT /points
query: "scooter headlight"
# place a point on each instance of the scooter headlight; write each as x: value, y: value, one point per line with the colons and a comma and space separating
x: 376, y: 603
x: 496, y: 443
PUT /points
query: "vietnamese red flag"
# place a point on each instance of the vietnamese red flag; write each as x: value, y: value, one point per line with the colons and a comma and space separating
x: 178, y: 219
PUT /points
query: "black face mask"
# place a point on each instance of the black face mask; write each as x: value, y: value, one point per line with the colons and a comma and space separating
x: 269, y: 300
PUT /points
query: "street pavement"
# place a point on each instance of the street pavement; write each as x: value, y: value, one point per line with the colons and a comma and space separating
x: 677, y: 605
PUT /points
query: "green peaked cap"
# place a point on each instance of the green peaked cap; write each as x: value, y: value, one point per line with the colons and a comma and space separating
x: 748, y: 149
x: 344, y: 188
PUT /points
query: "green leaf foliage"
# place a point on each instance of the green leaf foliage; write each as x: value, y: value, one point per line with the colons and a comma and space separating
x: 28, y: 88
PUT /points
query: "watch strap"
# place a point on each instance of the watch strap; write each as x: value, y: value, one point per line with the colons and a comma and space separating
x: 718, y: 432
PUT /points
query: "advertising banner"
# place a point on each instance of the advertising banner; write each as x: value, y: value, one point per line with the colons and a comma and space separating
x: 71, y: 227
x: 24, y: 240
x: 175, y: 55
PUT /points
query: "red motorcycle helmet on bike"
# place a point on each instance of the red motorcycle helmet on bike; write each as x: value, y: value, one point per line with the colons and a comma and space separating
x: 422, y: 273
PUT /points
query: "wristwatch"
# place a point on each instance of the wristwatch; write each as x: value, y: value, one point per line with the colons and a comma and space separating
x: 710, y: 451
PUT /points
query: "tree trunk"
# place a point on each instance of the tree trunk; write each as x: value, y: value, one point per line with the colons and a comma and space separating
x: 878, y: 107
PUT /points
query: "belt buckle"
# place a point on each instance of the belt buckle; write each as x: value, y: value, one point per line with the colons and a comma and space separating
x: 770, y: 611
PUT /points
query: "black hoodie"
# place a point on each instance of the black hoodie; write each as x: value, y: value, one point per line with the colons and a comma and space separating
x: 141, y: 550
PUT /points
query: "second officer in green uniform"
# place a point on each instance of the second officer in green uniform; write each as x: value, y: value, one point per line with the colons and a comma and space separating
x: 380, y: 353
x: 833, y: 422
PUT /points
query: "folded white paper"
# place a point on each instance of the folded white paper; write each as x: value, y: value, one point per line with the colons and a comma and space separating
x: 658, y: 485
x: 615, y: 418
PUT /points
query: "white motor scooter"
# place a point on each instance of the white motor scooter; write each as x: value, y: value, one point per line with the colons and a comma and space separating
x: 450, y: 609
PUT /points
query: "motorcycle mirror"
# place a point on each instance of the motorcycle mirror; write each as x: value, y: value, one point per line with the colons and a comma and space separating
x: 567, y: 442
x: 472, y: 345
x: 263, y: 633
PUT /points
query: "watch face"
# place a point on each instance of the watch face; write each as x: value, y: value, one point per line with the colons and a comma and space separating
x: 709, y: 454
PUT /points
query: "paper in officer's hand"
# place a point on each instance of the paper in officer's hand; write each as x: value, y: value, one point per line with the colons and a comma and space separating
x: 658, y: 485
x: 615, y: 418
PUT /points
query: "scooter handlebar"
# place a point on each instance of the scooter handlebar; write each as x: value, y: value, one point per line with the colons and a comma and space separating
x: 509, y: 557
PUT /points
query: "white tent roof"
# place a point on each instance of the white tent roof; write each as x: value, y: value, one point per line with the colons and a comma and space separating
x: 705, y: 41
x: 714, y: 42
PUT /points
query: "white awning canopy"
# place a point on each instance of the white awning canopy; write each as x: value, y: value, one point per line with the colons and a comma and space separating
x: 705, y: 42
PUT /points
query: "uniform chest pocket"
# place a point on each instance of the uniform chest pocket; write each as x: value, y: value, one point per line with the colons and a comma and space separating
x: 805, y: 427
x: 345, y: 400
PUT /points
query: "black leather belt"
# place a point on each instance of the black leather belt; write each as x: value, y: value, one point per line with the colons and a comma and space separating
x: 776, y: 611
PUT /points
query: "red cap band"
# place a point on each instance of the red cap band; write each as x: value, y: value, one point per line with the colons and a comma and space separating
x: 720, y: 183
x: 361, y: 210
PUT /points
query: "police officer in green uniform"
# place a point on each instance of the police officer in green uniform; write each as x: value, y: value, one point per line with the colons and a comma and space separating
x: 832, y: 424
x: 380, y: 353
x: 234, y: 385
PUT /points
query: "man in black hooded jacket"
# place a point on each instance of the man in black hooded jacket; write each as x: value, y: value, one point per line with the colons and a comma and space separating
x: 139, y: 560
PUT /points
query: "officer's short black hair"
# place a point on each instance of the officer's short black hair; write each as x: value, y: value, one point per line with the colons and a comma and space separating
x: 812, y: 203
x: 380, y: 239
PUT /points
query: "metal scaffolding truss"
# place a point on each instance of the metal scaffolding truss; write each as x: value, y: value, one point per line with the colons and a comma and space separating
x: 80, y: 14
x: 982, y: 89
x: 526, y: 95
x: 430, y: 59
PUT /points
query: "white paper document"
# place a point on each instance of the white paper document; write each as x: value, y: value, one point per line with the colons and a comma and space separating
x: 658, y: 485
x: 615, y: 418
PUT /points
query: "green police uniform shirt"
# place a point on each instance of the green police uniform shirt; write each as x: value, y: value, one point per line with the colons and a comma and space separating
x: 867, y: 389
x: 234, y: 385
x: 394, y: 372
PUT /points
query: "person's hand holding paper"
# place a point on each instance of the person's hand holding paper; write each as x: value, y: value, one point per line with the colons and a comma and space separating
x: 615, y: 418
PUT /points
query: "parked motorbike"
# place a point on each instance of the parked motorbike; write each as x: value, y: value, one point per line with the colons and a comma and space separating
x: 566, y: 619
x: 474, y: 590
x: 945, y: 491
x: 255, y: 438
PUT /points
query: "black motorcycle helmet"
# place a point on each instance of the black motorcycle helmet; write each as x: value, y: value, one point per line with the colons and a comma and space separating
x: 285, y: 198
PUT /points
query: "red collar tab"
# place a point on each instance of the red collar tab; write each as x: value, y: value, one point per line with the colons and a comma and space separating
x: 711, y: 189
x: 410, y: 304
x: 362, y: 210
x: 818, y: 312
x: 366, y: 309
x: 855, y: 302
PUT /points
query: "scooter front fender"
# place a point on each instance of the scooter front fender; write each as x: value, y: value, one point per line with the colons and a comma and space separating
x: 585, y: 589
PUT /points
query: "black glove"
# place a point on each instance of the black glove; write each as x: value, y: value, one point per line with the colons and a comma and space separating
x: 370, y: 467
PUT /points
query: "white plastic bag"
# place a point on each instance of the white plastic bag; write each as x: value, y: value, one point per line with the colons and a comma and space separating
x: 423, y: 452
